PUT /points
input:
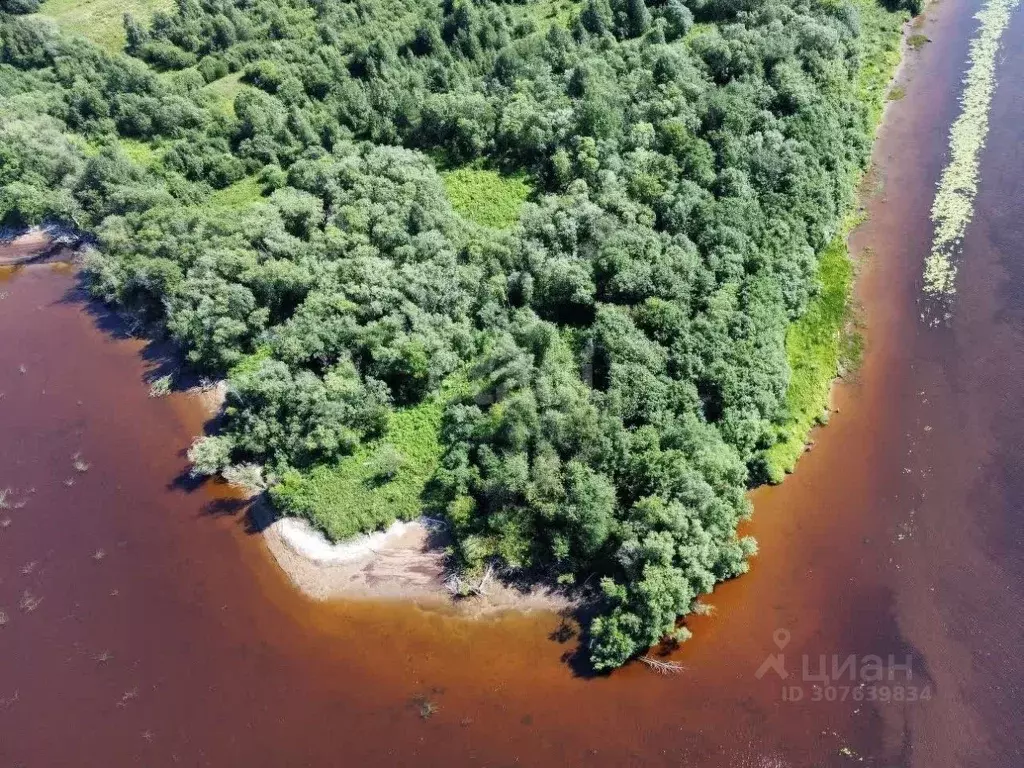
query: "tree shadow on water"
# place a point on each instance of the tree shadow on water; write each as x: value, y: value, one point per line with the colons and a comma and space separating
x: 254, y: 513
x: 574, y: 625
x: 164, y: 358
x: 185, y: 481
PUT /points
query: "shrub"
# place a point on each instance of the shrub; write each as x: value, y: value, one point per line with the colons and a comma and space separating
x: 209, y: 455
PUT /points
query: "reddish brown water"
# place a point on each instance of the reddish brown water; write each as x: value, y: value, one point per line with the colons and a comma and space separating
x: 146, y: 626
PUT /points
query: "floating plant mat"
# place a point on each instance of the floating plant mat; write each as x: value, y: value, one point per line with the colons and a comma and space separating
x: 953, y: 208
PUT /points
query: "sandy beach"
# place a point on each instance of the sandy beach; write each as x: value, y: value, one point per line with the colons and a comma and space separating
x: 405, y: 562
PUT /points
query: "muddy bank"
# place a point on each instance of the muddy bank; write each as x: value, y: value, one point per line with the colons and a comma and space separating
x: 36, y: 245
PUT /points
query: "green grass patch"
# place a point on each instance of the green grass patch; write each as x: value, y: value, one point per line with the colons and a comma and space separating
x: 699, y: 28
x: 101, y: 20
x: 487, y: 197
x: 238, y: 195
x: 546, y: 13
x: 896, y: 93
x: 881, y: 35
x: 87, y: 147
x: 813, y: 347
x: 142, y: 153
x: 250, y: 363
x: 224, y: 91
x: 381, y: 482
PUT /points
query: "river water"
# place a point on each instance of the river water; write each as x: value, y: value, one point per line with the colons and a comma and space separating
x: 145, y: 624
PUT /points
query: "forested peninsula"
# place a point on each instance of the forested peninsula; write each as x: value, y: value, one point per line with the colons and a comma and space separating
x: 569, y: 276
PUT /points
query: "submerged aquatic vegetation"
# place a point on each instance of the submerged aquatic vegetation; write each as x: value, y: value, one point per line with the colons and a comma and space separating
x: 29, y: 602
x: 953, y: 208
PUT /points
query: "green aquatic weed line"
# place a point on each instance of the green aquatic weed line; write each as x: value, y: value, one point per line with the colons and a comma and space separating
x: 954, y: 201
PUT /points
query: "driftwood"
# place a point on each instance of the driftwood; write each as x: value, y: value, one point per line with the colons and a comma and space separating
x: 459, y: 586
x: 663, y: 667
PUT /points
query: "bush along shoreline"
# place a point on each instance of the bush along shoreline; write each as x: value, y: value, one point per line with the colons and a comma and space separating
x: 567, y: 281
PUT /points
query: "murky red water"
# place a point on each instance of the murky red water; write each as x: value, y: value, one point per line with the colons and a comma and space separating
x: 146, y: 626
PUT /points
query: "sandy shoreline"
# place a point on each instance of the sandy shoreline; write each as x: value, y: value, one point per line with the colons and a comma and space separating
x: 399, y: 563
x: 405, y: 562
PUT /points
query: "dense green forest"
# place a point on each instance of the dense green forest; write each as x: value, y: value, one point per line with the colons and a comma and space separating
x: 568, y: 275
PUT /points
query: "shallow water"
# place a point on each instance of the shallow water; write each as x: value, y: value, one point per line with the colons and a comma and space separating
x: 147, y: 626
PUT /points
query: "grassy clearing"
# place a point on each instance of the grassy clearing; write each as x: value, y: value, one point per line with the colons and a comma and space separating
x: 250, y: 363
x: 238, y: 195
x: 101, y: 20
x: 699, y: 28
x: 546, y: 13
x: 487, y: 197
x: 818, y: 342
x: 141, y: 153
x: 381, y: 482
x: 225, y: 90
